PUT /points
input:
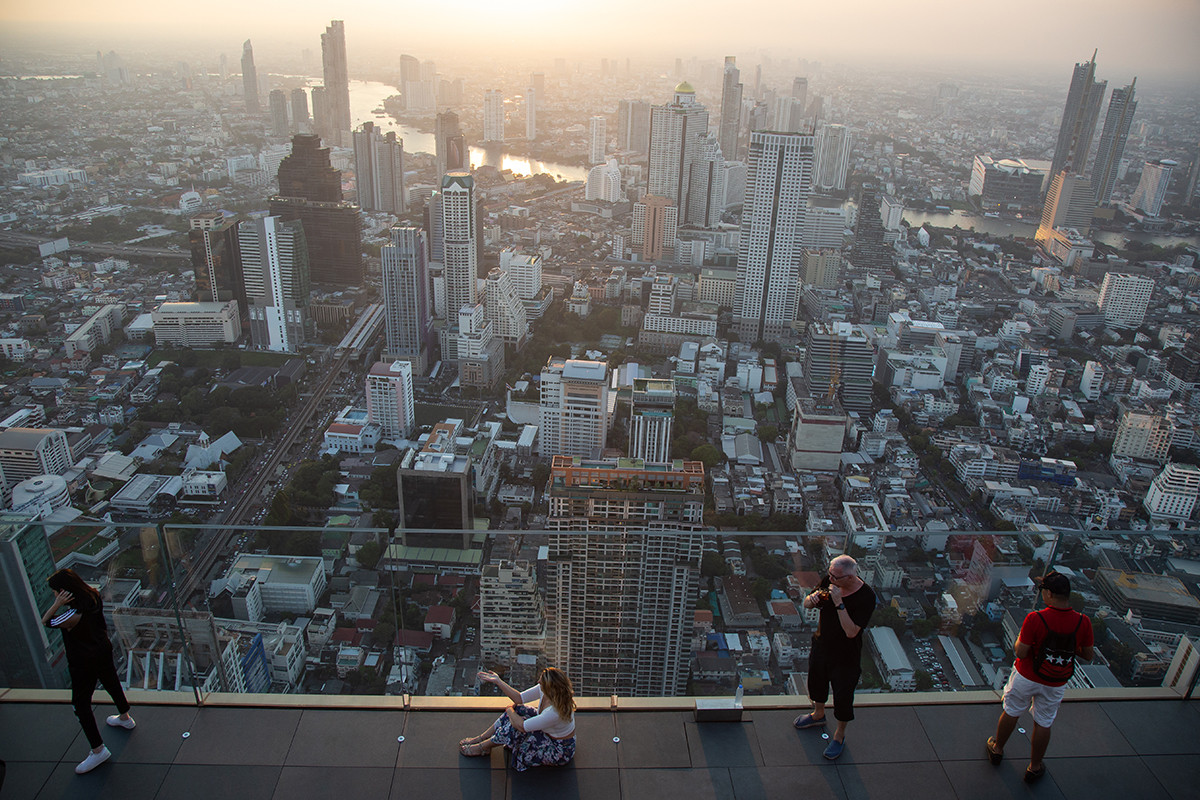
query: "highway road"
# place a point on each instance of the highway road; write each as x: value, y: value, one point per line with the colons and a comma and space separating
x: 15, y: 239
x: 211, y: 544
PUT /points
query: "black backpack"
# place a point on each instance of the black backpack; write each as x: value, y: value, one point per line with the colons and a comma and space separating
x: 1054, y: 658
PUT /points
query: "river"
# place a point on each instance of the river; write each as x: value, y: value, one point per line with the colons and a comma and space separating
x: 1020, y: 228
x: 367, y: 96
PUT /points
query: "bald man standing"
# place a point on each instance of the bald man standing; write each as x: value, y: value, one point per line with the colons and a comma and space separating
x: 836, y: 661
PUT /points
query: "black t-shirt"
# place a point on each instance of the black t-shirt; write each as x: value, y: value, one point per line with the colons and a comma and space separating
x: 88, y: 640
x: 859, y: 605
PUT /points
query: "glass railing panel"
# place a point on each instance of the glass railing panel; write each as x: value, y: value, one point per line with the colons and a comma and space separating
x: 350, y: 609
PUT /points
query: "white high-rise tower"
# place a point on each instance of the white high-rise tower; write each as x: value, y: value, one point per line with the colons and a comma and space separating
x: 598, y: 140
x: 456, y: 205
x: 677, y: 132
x: 406, y: 302
x: 493, y: 116
x: 275, y: 270
x: 770, y: 255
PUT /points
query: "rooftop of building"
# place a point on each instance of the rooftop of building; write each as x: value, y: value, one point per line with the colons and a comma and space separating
x: 323, y: 747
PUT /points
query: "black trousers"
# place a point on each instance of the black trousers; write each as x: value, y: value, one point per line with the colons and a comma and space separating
x: 837, y: 670
x: 83, y: 686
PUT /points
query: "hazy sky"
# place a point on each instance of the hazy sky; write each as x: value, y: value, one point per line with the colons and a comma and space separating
x: 1134, y: 36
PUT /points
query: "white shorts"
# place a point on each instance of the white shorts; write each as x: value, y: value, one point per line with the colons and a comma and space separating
x: 1022, y: 694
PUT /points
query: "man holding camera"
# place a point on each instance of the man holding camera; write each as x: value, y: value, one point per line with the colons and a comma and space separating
x: 846, y: 604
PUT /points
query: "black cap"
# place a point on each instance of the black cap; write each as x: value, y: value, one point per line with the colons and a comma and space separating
x: 1055, y: 583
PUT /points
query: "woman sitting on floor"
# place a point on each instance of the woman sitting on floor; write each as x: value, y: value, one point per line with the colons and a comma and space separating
x: 537, y: 737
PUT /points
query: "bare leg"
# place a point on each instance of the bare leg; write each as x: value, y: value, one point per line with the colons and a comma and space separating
x: 486, y: 735
x: 839, y: 733
x: 1041, y: 740
x: 1004, y: 728
x: 818, y: 711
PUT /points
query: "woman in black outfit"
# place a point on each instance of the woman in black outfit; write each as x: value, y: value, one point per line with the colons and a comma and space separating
x: 78, y: 612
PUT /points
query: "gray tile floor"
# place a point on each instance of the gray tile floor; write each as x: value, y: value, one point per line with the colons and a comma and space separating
x: 1137, y: 748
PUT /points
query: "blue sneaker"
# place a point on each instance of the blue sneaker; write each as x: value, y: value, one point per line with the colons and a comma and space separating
x: 808, y: 721
x: 835, y: 749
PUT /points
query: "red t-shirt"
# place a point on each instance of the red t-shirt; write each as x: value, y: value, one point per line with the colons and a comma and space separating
x: 1060, y: 620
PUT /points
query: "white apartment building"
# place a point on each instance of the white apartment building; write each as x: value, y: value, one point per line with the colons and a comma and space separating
x: 1144, y: 435
x: 603, y: 183
x: 95, y: 331
x: 771, y: 245
x: 390, y: 398
x: 1092, y: 381
x: 505, y: 310
x: 1172, y: 494
x: 574, y: 408
x: 28, y: 452
x: 525, y: 271
x: 493, y: 116
x: 597, y: 140
x: 286, y: 583
x: 1124, y: 299
x: 512, y: 619
x: 196, y: 324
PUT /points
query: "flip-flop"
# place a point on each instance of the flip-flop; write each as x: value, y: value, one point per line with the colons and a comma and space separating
x: 993, y: 756
x: 1032, y: 776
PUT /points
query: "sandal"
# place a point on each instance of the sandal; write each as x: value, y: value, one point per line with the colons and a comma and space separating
x: 475, y: 749
x: 994, y: 755
x: 469, y: 741
x: 1032, y: 775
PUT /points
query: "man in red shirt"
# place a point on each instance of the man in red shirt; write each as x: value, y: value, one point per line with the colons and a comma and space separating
x: 1050, y: 641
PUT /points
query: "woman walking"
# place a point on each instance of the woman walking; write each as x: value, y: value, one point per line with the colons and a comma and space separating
x: 537, y: 737
x: 78, y: 612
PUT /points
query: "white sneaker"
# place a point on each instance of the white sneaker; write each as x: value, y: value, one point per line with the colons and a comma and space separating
x: 116, y: 721
x: 93, y: 760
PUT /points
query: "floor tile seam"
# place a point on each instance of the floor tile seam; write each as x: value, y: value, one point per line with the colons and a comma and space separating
x: 167, y: 774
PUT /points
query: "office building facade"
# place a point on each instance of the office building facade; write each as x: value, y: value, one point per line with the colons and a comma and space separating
x: 573, y: 408
x: 408, y: 311
x: 379, y: 168
x: 676, y: 133
x: 1113, y: 136
x: 275, y: 269
x: 390, y: 402
x: 337, y: 80
x: 770, y: 256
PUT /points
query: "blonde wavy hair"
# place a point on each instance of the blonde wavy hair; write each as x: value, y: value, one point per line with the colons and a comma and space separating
x: 557, y: 689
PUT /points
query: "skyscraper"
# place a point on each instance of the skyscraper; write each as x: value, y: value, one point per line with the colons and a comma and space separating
x: 597, y: 140
x: 320, y: 113
x: 620, y: 606
x: 337, y: 78
x: 833, y: 157
x: 800, y: 92
x: 731, y: 108
x: 870, y: 252
x: 531, y: 113
x: 573, y: 407
x: 216, y: 261
x: 406, y: 302
x: 1079, y: 119
x: 651, y: 418
x: 676, y: 133
x: 504, y: 308
x: 633, y: 126
x: 310, y: 190
x: 706, y: 186
x: 249, y: 79
x: 379, y: 167
x: 449, y: 145
x: 770, y: 255
x: 390, y: 402
x: 1151, y: 190
x: 1124, y: 299
x: 275, y: 268
x: 460, y: 257
x: 301, y: 123
x: 1114, y: 135
x: 278, y: 103
x: 1070, y: 203
x: 655, y: 223
x: 493, y: 116
x: 840, y: 359
x: 32, y: 656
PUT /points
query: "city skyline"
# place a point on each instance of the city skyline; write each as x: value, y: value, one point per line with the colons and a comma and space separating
x: 1152, y: 38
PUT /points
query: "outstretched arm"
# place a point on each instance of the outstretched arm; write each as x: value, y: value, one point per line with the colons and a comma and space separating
x: 493, y: 678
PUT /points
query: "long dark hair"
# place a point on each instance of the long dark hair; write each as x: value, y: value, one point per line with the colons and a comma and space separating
x: 69, y: 580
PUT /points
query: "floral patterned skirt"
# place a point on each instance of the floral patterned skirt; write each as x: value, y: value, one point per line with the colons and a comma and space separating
x: 532, y: 748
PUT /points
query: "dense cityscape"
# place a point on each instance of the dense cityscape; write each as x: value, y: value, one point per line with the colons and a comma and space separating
x: 358, y: 376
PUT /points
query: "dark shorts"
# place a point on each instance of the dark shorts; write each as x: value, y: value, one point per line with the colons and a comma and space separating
x: 839, y: 671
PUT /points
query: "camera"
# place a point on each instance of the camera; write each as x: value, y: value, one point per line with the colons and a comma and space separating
x: 823, y: 589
